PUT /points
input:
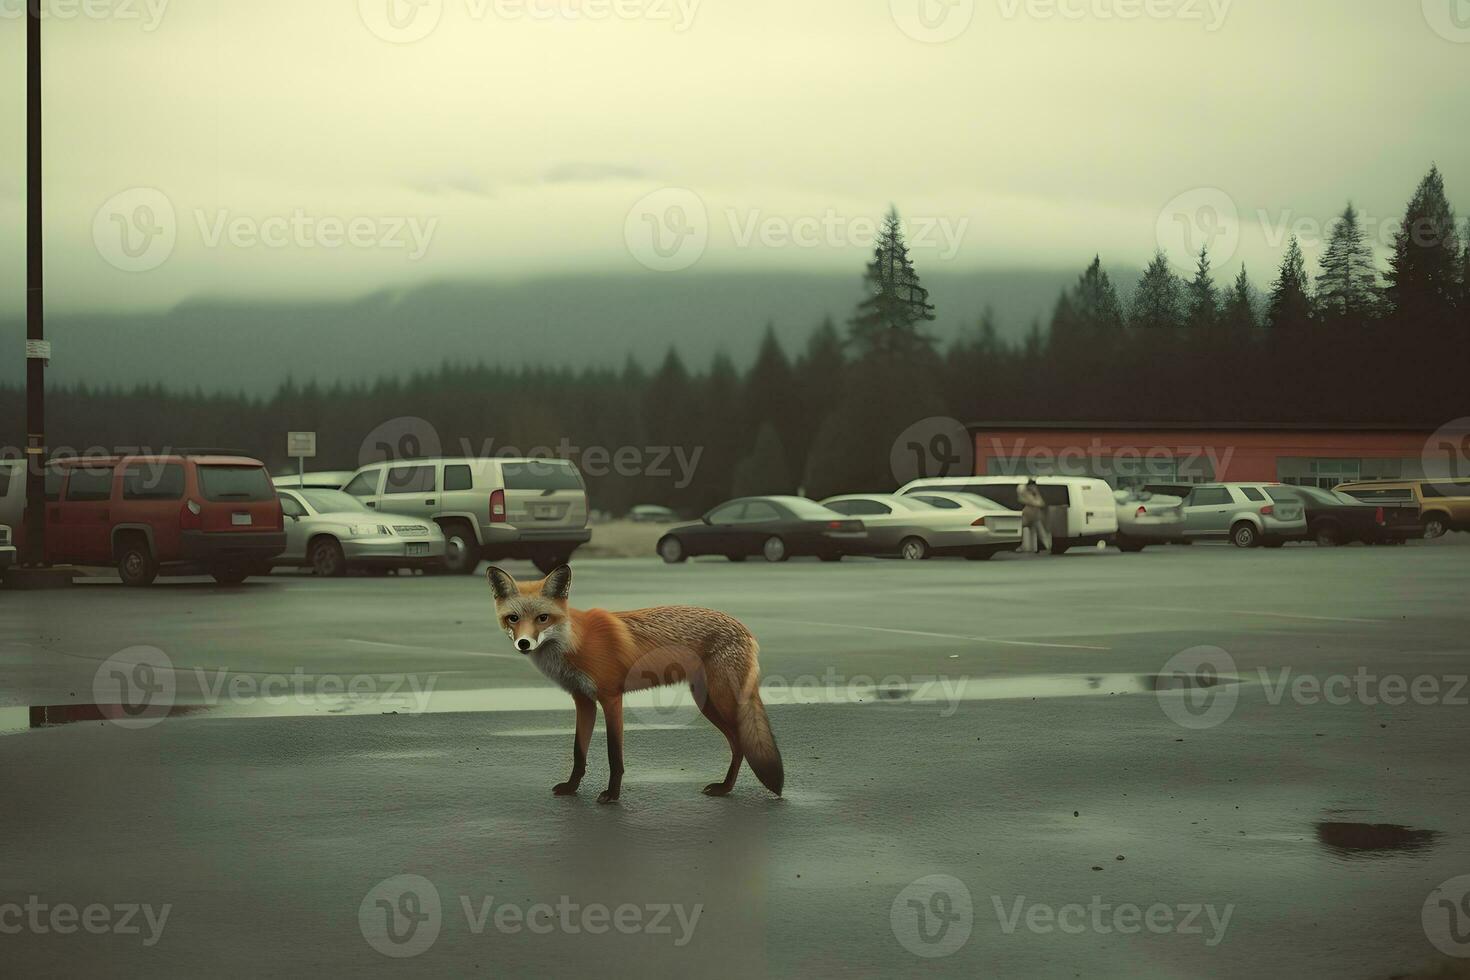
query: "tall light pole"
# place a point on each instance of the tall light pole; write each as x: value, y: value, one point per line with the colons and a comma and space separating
x: 36, y: 349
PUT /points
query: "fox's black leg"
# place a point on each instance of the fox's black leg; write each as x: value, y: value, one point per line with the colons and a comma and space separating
x: 612, y: 717
x: 731, y: 735
x: 586, y: 718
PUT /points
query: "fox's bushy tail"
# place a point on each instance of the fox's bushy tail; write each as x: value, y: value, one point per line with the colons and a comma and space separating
x: 758, y: 743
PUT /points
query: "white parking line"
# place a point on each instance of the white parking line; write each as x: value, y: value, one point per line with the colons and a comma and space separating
x: 414, y: 649
x: 1257, y: 612
x: 943, y: 636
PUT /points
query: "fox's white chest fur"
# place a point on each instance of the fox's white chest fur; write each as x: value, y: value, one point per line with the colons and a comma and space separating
x: 550, y: 659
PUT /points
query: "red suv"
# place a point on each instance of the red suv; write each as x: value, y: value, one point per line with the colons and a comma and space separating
x: 182, y: 513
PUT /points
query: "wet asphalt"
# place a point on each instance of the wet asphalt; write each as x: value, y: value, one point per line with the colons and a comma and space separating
x: 1190, y: 762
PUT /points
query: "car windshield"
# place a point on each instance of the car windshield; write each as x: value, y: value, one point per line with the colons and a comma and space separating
x: 250, y: 483
x: 332, y: 501
x: 1311, y: 495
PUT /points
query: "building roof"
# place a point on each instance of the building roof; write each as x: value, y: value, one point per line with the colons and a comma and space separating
x: 1134, y: 426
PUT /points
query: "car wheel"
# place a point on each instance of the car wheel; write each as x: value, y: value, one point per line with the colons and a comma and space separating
x: 1129, y: 546
x: 461, y: 550
x: 548, y: 563
x: 136, y: 565
x: 1436, y: 525
x: 1245, y: 535
x: 774, y: 550
x: 1328, y: 536
x: 230, y: 574
x: 671, y: 550
x: 327, y: 559
x: 913, y: 549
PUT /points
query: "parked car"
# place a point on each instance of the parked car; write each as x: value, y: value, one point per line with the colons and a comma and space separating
x: 651, y: 514
x: 324, y: 480
x: 1444, y: 505
x: 1335, y: 518
x: 7, y: 548
x: 331, y: 532
x: 204, y: 511
x: 487, y: 508
x: 1146, y: 518
x: 1083, y: 509
x: 914, y: 528
x: 776, y: 528
x: 1003, y: 524
x: 1244, y: 514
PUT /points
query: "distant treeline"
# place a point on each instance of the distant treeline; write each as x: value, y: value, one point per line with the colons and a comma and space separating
x: 1352, y: 344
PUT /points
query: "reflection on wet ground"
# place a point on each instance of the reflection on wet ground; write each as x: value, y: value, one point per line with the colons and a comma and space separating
x: 1367, y: 840
x: 659, y: 706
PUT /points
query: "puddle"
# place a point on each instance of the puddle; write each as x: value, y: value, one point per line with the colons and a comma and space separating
x: 665, y: 707
x: 1367, y: 840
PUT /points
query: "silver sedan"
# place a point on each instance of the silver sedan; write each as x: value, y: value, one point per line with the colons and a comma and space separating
x: 914, y: 527
x: 330, y: 532
x: 1146, y: 517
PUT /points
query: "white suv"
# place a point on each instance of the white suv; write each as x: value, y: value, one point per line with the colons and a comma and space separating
x: 488, y: 508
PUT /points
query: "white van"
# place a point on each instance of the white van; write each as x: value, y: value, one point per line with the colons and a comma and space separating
x: 1092, y: 514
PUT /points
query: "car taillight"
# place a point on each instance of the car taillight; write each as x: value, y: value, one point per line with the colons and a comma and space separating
x: 189, y: 516
x: 497, y: 507
x: 978, y: 522
x: 1268, y: 510
x: 834, y: 525
x: 1379, y: 516
x: 1141, y: 511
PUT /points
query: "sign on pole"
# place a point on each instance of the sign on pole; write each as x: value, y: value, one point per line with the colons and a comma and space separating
x: 301, y: 445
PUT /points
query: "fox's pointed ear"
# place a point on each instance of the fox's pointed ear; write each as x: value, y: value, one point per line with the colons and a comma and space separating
x: 502, y: 585
x: 558, y: 584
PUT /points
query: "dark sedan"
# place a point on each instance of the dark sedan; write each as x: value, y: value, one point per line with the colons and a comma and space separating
x: 1335, y: 518
x: 775, y: 528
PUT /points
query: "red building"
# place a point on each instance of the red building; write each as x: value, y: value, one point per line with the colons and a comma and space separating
x: 1129, y: 453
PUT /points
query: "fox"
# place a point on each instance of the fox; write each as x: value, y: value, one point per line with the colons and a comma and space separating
x: 598, y: 656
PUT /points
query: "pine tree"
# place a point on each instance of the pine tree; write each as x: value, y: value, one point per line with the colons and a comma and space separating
x: 771, y: 392
x: 1349, y: 280
x: 1424, y: 272
x: 1203, y: 301
x: 887, y: 321
x: 1158, y: 302
x: 1465, y: 273
x: 1238, y: 312
x: 1090, y: 305
x: 820, y: 378
x: 1291, y: 303
x: 1095, y: 300
x: 764, y: 470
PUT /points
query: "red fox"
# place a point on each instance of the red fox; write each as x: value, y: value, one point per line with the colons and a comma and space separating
x: 597, y: 656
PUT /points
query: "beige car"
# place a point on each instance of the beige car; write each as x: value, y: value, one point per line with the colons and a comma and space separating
x: 1444, y: 505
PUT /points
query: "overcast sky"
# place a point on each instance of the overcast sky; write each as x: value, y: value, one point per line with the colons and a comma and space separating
x: 281, y: 148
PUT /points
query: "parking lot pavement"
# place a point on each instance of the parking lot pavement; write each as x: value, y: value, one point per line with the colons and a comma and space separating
x: 1000, y: 725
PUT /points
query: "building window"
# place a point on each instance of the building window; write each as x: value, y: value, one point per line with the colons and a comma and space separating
x: 1324, y: 473
x: 1121, y: 472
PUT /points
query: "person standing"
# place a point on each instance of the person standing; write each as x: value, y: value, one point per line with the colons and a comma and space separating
x: 1035, y: 528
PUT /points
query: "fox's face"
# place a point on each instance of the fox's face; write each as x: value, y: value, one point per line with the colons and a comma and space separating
x: 532, y: 614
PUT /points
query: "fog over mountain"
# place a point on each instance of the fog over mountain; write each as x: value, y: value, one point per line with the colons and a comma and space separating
x: 573, y: 321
